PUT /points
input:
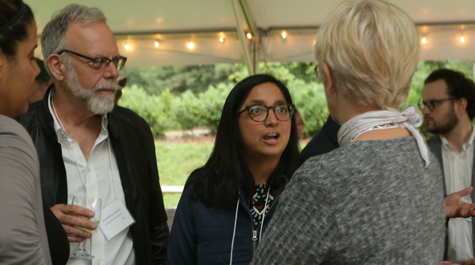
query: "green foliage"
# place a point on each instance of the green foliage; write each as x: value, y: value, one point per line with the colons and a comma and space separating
x: 156, y: 110
x: 197, y: 93
x: 178, y: 79
x: 212, y: 102
x: 187, y: 110
x: 309, y: 98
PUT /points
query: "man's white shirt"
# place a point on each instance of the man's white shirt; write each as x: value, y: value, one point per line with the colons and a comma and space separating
x: 96, y: 177
x: 458, y: 176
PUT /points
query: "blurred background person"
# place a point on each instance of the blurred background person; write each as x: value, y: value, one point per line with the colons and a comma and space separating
x: 299, y: 123
x: 122, y: 82
x: 228, y: 203
x: 378, y: 198
x: 42, y: 82
x: 23, y: 234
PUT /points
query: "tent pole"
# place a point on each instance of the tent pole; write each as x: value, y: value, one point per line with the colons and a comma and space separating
x: 251, y: 24
x: 250, y: 63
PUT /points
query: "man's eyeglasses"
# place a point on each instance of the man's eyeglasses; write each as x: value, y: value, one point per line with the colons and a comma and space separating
x: 101, y: 63
x: 260, y: 112
x: 432, y: 103
x: 315, y: 69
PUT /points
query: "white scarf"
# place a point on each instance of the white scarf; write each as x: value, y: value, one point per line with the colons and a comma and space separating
x: 408, y: 117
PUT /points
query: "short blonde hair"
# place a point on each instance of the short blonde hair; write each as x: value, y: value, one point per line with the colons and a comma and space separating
x: 372, y: 49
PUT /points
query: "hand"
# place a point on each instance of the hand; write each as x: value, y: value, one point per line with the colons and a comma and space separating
x: 456, y: 207
x: 72, y: 215
x: 469, y: 262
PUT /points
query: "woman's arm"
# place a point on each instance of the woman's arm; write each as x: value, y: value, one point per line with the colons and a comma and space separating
x: 23, y: 235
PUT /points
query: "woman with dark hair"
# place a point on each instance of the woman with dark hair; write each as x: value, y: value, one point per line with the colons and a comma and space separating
x: 228, y: 203
x: 23, y: 236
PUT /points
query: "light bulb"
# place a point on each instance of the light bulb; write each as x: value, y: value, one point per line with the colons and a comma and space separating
x: 191, y: 45
x: 284, y: 35
x: 127, y: 47
x: 249, y: 35
x: 462, y: 39
x: 157, y: 44
x: 424, y: 40
x: 221, y: 39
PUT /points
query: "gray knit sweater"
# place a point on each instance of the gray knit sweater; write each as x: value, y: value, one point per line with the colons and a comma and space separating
x: 369, y: 202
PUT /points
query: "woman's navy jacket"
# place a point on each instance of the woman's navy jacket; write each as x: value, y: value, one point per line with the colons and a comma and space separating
x: 202, y: 235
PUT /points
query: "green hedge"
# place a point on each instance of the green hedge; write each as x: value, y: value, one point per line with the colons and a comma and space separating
x: 167, y: 111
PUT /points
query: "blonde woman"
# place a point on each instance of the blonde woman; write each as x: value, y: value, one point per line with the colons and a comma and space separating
x: 377, y: 199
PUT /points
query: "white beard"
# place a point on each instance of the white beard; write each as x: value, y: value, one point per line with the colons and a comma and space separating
x: 95, y: 102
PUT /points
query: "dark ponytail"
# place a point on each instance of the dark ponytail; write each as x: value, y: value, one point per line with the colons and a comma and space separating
x: 15, y: 17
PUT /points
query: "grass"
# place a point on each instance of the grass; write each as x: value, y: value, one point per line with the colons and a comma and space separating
x: 176, y: 161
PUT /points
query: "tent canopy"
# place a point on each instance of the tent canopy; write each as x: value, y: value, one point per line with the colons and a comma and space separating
x: 188, y: 32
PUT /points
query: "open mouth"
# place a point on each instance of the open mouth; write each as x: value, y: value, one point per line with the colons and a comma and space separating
x: 271, y: 137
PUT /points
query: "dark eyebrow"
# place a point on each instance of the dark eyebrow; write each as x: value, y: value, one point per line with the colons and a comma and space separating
x: 258, y: 101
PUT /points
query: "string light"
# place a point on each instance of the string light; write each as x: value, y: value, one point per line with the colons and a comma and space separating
x: 127, y: 47
x: 284, y: 35
x: 157, y: 44
x: 191, y: 45
x: 221, y: 39
x: 249, y: 35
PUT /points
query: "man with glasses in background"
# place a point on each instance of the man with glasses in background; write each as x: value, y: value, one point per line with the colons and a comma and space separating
x: 88, y: 147
x: 448, y: 106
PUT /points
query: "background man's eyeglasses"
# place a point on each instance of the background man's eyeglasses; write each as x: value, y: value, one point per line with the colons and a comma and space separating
x: 315, y: 69
x: 431, y: 103
x: 101, y: 63
x: 260, y: 112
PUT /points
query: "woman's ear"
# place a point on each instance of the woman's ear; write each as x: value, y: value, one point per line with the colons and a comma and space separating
x: 329, y: 80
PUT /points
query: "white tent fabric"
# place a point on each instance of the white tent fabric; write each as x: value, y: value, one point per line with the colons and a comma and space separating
x: 176, y: 23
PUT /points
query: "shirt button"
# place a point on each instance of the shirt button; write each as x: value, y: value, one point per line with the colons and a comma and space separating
x: 72, y: 147
x: 460, y: 246
x: 89, y: 170
x: 458, y: 180
x: 460, y: 223
x: 99, y: 262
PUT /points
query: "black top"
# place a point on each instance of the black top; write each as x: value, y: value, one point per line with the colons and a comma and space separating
x: 325, y: 141
x: 57, y: 239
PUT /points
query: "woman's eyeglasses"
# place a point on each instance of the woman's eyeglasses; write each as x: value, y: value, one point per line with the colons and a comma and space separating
x: 260, y: 112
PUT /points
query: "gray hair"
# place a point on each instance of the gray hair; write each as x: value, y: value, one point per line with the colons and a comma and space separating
x: 52, y: 38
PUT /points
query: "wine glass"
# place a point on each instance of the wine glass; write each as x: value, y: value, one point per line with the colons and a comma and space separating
x: 95, y: 205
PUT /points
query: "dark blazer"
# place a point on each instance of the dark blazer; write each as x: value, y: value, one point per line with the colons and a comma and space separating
x: 325, y: 141
x: 435, y: 145
x: 133, y: 145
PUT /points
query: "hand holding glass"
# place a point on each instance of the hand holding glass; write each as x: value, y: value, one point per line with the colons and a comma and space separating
x: 95, y: 205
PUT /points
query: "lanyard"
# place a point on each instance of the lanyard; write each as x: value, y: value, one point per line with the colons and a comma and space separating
x: 84, y: 180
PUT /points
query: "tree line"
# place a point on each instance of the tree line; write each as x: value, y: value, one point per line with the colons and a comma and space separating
x: 183, y: 97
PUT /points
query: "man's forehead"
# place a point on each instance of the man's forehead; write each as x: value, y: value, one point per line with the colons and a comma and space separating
x: 436, y: 88
x: 94, y: 37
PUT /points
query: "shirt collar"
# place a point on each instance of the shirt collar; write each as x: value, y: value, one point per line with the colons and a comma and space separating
x: 466, y: 145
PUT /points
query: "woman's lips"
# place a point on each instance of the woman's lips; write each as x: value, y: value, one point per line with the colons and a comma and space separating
x: 271, y: 138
